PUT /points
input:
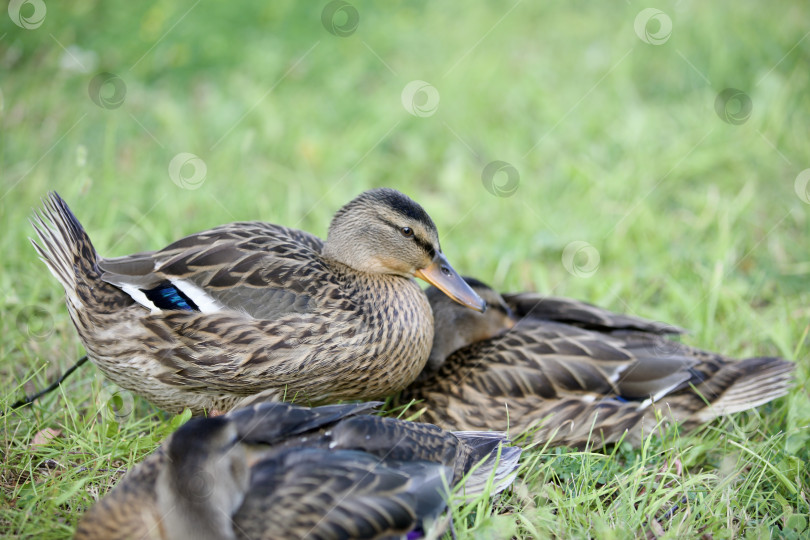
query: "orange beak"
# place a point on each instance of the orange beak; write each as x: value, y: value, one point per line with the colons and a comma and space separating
x: 442, y: 276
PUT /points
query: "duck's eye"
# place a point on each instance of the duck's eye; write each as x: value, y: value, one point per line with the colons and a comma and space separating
x: 407, y: 232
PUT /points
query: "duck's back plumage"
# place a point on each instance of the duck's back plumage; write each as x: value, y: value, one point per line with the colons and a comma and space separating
x: 245, y: 266
x: 573, y: 374
x: 582, y: 314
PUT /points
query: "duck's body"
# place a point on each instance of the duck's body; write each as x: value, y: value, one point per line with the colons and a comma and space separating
x: 279, y: 471
x: 252, y: 308
x: 573, y: 374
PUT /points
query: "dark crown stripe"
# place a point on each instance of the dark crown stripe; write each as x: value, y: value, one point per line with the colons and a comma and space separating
x: 406, y: 206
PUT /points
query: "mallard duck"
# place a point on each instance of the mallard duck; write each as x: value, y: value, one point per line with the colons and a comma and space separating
x: 572, y: 374
x: 275, y: 470
x: 252, y: 308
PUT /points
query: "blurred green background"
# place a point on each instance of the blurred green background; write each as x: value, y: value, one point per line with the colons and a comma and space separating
x: 617, y: 142
x: 683, y: 199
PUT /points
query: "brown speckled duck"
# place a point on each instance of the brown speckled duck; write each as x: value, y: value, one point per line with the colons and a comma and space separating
x: 258, y: 310
x: 275, y: 470
x: 571, y: 373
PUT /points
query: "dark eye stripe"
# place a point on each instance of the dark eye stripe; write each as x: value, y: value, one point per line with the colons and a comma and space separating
x: 424, y: 244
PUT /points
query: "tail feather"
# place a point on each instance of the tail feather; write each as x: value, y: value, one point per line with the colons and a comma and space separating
x: 488, y: 463
x: 64, y: 245
x: 66, y: 249
x: 744, y: 385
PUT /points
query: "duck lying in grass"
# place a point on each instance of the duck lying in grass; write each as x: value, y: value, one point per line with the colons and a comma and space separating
x: 252, y: 308
x: 574, y: 374
x: 275, y: 470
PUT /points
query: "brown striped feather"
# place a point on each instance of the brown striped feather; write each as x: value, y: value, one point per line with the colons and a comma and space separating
x: 573, y: 374
x: 295, y: 324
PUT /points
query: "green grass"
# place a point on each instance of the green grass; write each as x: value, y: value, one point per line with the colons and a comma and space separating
x: 616, y: 141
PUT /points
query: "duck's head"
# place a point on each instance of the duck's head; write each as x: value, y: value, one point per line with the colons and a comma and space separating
x: 456, y: 328
x: 204, y: 480
x: 383, y: 231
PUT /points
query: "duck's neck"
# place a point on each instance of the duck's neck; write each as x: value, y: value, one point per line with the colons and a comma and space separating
x: 199, y: 516
x: 457, y: 328
x: 397, y: 300
x: 388, y: 332
x: 382, y: 290
x: 398, y: 305
x: 445, y: 343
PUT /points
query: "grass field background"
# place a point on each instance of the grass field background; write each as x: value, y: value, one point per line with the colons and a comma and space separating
x: 629, y: 176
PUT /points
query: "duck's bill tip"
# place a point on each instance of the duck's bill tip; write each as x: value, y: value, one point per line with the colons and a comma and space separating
x: 442, y: 276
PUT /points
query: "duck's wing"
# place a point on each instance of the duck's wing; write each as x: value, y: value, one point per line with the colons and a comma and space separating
x: 733, y: 387
x: 480, y: 455
x: 272, y: 422
x: 537, y: 370
x: 573, y: 386
x: 260, y: 269
x: 566, y: 310
x: 350, y: 427
x: 347, y: 427
x: 553, y: 359
x: 322, y: 493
